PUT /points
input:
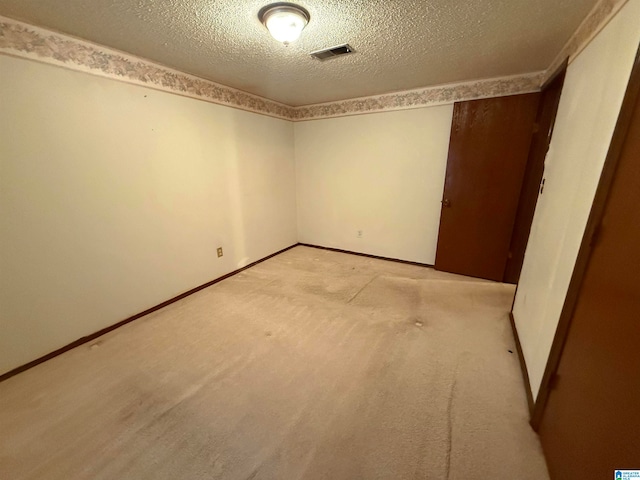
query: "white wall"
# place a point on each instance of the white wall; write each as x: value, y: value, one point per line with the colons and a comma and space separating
x: 114, y: 197
x: 380, y: 173
x: 588, y: 110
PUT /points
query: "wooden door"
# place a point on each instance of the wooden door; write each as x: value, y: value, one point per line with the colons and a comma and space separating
x: 488, y: 154
x: 591, y: 423
x: 546, y: 119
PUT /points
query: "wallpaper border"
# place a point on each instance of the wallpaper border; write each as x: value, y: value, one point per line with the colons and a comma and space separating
x: 35, y: 43
x: 27, y: 41
x: 423, y: 97
x: 593, y: 23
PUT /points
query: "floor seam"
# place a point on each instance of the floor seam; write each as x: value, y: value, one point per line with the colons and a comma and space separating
x: 450, y: 420
x: 361, y: 289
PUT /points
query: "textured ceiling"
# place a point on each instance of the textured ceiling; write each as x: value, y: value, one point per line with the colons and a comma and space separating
x: 400, y: 44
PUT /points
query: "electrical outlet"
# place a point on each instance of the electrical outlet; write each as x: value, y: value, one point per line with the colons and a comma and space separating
x: 359, y: 233
x: 219, y: 251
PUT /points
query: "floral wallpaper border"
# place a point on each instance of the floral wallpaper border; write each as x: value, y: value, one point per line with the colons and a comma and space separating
x: 27, y: 41
x: 593, y: 23
x: 39, y: 44
x: 35, y: 43
x: 596, y: 20
x: 422, y: 97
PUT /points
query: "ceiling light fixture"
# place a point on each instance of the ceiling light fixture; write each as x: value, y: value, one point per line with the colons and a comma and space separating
x: 285, y: 21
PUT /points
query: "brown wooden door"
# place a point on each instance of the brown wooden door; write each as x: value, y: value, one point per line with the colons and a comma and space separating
x: 488, y: 153
x: 591, y: 423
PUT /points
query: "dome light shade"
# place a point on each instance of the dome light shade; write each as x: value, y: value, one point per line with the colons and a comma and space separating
x: 285, y: 21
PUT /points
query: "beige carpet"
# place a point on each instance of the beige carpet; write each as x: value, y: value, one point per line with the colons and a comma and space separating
x: 311, y: 365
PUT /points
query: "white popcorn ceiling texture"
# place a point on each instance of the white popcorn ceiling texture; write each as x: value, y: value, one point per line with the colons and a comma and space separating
x: 400, y: 44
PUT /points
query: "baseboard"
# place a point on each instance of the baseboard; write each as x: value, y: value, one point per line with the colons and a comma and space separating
x: 110, y: 328
x: 367, y: 255
x: 523, y: 365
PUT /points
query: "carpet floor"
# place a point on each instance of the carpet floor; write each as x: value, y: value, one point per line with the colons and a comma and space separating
x: 311, y: 365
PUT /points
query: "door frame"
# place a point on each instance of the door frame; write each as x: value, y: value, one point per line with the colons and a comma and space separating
x: 588, y: 241
x: 530, y: 190
x: 561, y: 70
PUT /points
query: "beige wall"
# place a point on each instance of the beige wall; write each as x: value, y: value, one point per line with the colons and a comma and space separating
x: 382, y: 174
x: 114, y: 198
x: 588, y: 110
